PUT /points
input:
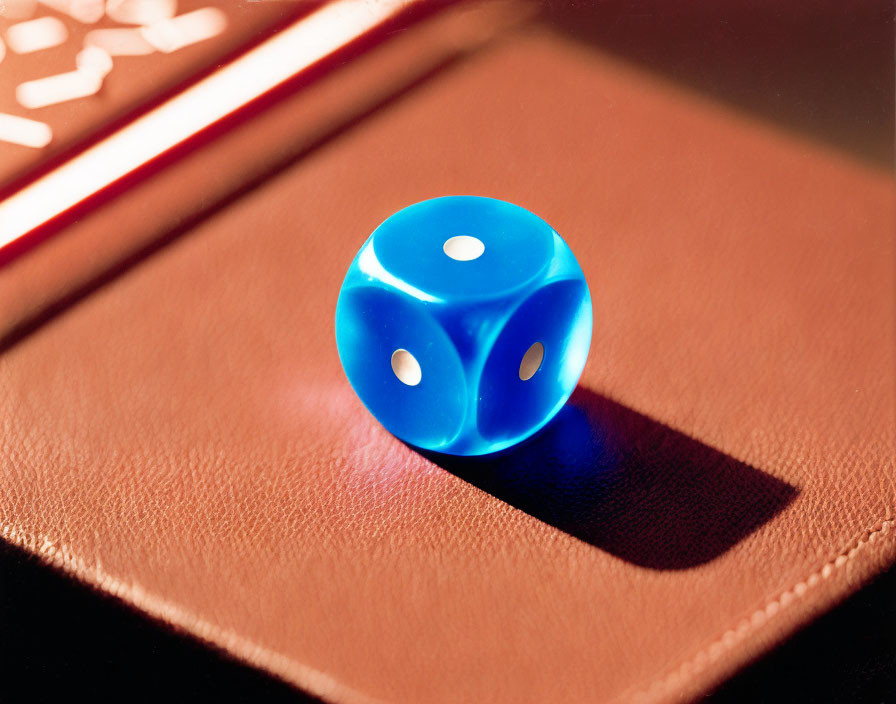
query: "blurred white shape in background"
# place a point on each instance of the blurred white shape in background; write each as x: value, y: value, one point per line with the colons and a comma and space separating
x: 34, y: 35
x: 21, y: 130
x: 119, y: 42
x: 59, y: 88
x: 92, y: 58
x: 219, y: 94
x: 140, y: 11
x: 176, y: 33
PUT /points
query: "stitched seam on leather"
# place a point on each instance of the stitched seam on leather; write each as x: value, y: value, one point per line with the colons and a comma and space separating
x: 321, y: 684
x: 760, y: 617
x: 314, y: 681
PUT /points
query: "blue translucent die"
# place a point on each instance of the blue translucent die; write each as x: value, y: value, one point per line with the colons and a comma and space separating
x: 463, y: 324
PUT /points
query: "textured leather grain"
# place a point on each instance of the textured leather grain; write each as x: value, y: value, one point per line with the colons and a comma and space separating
x: 184, y: 437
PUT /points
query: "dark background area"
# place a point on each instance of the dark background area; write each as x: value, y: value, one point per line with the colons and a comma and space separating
x: 61, y: 640
x: 822, y: 69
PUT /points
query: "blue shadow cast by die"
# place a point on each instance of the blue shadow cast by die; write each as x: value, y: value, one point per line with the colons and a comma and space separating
x: 628, y: 485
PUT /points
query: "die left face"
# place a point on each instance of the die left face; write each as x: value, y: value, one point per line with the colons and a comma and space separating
x: 463, y: 324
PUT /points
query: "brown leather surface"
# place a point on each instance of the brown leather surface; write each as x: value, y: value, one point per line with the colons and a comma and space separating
x: 184, y: 437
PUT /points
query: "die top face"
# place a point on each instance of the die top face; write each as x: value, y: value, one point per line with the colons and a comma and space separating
x: 463, y: 247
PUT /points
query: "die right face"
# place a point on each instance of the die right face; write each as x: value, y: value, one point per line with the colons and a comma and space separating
x: 534, y: 363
